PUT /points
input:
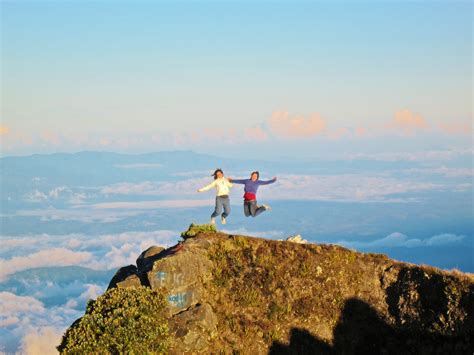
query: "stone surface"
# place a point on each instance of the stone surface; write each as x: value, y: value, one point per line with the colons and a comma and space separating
x: 250, y: 295
x: 297, y: 239
x: 130, y: 281
x: 193, y: 329
x: 182, y: 276
x: 147, y: 257
x: 122, y: 274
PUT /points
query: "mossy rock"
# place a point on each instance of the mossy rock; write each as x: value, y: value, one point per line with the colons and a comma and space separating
x: 195, y: 229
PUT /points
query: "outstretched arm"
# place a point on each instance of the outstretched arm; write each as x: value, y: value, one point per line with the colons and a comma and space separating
x: 267, y: 182
x: 238, y: 181
x: 207, y: 187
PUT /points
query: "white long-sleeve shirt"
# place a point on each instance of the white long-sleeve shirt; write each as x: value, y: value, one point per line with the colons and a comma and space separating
x: 222, y: 186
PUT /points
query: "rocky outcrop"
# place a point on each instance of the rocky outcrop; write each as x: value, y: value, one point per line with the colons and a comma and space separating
x: 194, y: 329
x: 147, y: 257
x: 181, y: 272
x: 251, y: 295
x: 297, y: 239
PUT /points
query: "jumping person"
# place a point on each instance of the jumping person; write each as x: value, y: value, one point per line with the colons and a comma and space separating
x: 222, y: 186
x: 250, y: 196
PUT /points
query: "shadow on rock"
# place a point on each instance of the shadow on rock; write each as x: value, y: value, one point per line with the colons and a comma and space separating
x: 360, y: 330
x: 301, y: 342
x: 432, y: 302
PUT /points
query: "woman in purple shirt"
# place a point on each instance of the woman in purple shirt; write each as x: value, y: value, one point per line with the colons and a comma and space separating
x: 250, y: 196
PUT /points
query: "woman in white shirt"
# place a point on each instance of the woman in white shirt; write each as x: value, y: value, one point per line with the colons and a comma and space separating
x: 222, y: 186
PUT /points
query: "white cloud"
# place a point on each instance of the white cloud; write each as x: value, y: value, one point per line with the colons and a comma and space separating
x: 397, y: 239
x: 283, y: 125
x: 123, y: 255
x: 41, y: 341
x: 37, y: 179
x: 344, y: 187
x: 14, y: 243
x: 443, y: 170
x: 77, y: 198
x: 77, y: 241
x: 445, y: 238
x: 25, y: 317
x: 463, y: 187
x: 54, y: 193
x: 83, y: 214
x: 31, y: 328
x: 408, y: 123
x: 433, y: 155
x: 98, y: 252
x: 58, y: 193
x: 36, y: 196
x: 139, y: 166
x: 72, y: 303
x: 145, y: 205
x: 8, y: 321
x: 272, y: 234
x: 92, y: 292
x: 160, y: 188
x: 12, y: 304
x: 48, y: 257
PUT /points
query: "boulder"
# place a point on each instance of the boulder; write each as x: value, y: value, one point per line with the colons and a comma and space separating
x: 130, y: 281
x: 193, y: 329
x: 122, y: 274
x: 147, y: 257
x: 181, y: 274
x: 297, y: 239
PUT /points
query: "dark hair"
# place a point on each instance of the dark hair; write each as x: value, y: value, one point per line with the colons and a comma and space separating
x: 215, y: 173
x: 255, y: 172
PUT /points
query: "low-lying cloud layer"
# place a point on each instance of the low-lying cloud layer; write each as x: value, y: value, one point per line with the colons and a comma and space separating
x: 400, y: 240
x: 101, y: 252
x: 342, y: 187
x: 26, y: 323
x: 31, y: 328
x: 48, y: 257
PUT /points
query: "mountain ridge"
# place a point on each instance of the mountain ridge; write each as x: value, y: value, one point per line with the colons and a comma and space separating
x: 244, y: 294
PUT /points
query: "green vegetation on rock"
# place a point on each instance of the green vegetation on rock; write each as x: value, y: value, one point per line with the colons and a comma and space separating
x: 121, y: 321
x: 195, y: 229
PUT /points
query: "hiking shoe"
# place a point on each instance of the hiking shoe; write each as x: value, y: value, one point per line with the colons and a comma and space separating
x: 267, y: 208
x: 223, y: 221
x: 213, y: 220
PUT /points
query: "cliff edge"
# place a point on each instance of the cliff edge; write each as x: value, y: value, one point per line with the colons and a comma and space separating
x: 230, y: 293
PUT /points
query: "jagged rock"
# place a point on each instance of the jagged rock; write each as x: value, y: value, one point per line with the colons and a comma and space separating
x: 270, y: 296
x: 181, y: 274
x: 193, y: 329
x: 147, y: 257
x: 122, y: 274
x: 130, y: 282
x: 297, y: 239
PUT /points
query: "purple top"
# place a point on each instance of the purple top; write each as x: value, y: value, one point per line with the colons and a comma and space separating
x: 252, y: 186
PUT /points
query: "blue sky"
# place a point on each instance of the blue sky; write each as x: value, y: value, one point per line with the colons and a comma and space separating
x: 135, y: 75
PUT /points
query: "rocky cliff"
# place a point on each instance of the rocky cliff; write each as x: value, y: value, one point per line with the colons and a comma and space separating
x: 229, y: 293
